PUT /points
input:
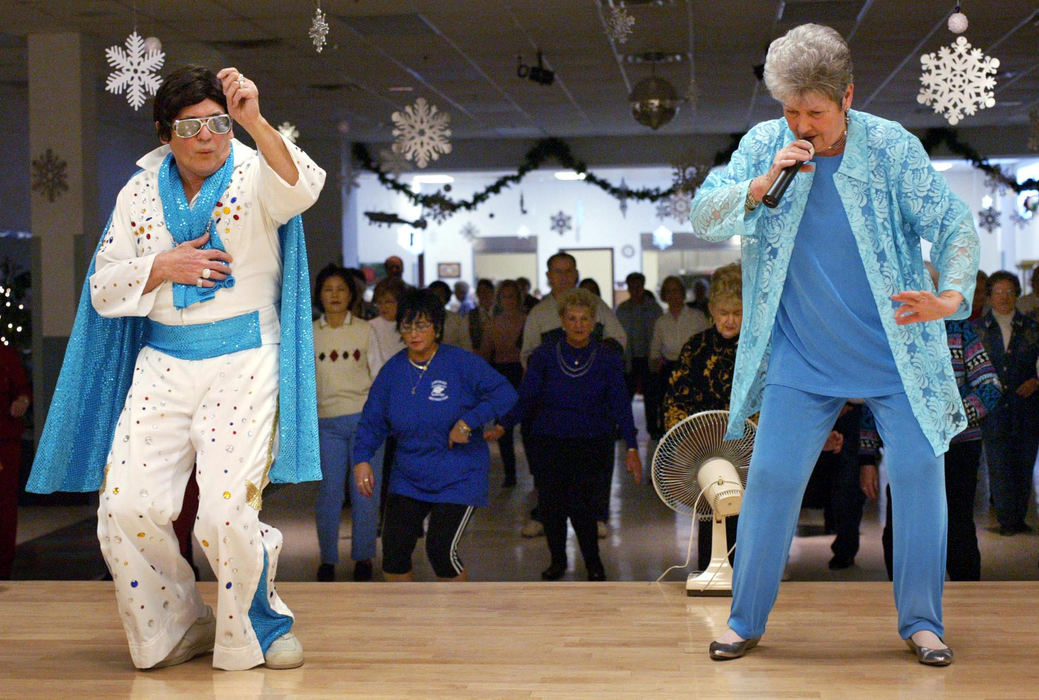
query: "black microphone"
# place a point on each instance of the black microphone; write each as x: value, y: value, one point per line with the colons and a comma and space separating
x: 775, y: 192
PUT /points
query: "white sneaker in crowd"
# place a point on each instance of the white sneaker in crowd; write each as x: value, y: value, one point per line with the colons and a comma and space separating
x: 198, y: 640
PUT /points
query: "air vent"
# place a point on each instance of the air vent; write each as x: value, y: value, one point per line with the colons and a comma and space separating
x: 334, y: 87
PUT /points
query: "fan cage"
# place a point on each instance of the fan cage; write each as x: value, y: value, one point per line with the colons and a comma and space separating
x: 686, y: 447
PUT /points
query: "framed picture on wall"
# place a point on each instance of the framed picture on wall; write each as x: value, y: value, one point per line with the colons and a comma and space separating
x: 450, y: 270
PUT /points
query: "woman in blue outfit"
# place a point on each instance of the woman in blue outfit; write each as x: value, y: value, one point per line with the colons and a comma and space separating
x: 837, y: 304
x: 574, y: 396
x: 433, y: 399
x: 341, y: 343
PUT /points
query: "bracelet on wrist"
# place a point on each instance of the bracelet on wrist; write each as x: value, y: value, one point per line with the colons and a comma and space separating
x: 750, y: 204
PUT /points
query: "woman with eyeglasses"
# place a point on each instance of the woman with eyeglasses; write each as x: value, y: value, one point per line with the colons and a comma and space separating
x: 433, y: 399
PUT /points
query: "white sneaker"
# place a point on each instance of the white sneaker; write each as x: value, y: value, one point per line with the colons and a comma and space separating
x: 604, y: 529
x: 532, y: 528
x: 284, y: 652
x: 198, y: 640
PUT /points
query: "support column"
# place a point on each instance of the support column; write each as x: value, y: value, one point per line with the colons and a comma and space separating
x: 62, y: 113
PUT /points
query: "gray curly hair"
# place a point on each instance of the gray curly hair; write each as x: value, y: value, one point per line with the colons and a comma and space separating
x: 808, y: 58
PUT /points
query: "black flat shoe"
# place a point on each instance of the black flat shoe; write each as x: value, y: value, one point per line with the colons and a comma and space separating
x: 837, y: 563
x: 728, y: 652
x: 596, y: 572
x: 930, y: 657
x: 554, y: 572
x: 326, y: 572
x: 363, y: 570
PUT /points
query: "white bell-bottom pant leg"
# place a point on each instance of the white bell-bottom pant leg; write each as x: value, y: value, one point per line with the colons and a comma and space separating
x: 220, y: 413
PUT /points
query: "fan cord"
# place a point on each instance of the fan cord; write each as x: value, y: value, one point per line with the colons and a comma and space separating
x: 689, y: 549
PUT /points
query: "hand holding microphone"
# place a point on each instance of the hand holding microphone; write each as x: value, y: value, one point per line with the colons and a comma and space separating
x: 788, y: 161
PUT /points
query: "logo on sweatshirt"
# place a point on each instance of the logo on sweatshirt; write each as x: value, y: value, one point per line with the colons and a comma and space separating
x: 438, y: 391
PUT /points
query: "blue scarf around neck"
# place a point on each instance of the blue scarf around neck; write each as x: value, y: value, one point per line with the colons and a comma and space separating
x: 186, y: 222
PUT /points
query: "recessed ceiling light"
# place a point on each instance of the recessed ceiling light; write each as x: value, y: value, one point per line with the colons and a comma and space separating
x: 570, y: 175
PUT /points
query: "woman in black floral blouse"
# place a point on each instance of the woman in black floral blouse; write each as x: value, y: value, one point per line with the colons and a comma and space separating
x: 702, y: 379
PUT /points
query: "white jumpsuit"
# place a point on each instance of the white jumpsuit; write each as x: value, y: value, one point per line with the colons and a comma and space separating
x: 219, y: 414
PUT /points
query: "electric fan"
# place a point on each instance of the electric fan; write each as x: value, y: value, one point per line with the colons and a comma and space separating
x: 697, y: 472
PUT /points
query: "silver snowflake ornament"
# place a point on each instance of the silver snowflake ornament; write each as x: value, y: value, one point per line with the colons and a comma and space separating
x: 688, y: 177
x: 957, y: 80
x: 469, y: 231
x: 560, y: 223
x: 680, y: 205
x: 663, y: 209
x: 393, y: 161
x: 421, y: 132
x: 619, y: 24
x: 318, y: 30
x: 49, y: 176
x: 988, y: 219
x: 289, y: 131
x: 1020, y: 221
x: 623, y: 198
x: 996, y: 181
x: 135, y: 70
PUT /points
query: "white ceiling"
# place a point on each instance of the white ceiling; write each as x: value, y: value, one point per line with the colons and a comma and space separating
x: 461, y: 55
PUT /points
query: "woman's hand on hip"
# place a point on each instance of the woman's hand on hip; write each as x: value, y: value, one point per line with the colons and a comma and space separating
x: 922, y: 305
x: 364, y: 478
x: 459, y: 434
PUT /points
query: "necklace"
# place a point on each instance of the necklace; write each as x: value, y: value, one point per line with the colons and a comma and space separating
x: 575, y: 369
x: 421, y: 369
x: 839, y: 143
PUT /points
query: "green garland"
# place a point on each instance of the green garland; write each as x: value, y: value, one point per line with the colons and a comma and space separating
x: 935, y: 137
x: 552, y: 148
x: 556, y: 149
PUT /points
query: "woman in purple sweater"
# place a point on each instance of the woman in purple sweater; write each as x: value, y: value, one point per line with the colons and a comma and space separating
x: 574, y: 396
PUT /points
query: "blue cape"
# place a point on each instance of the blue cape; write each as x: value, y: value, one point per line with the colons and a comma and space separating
x: 98, y: 367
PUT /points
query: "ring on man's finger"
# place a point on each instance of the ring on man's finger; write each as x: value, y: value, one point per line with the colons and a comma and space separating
x: 199, y: 282
x: 241, y: 80
x: 206, y: 272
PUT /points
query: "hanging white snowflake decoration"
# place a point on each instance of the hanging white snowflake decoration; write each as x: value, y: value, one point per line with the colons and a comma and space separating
x: 318, y: 30
x: 560, y: 223
x: 957, y: 80
x: 469, y: 231
x: 663, y: 237
x: 136, y: 70
x: 49, y: 177
x: 421, y: 132
x: 663, y: 209
x: 289, y: 131
x: 988, y: 219
x: 619, y: 24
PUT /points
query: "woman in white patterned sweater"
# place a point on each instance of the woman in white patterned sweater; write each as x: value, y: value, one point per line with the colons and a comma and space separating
x: 341, y: 346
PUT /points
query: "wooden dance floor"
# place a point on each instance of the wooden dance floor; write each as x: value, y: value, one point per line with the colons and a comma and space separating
x: 539, y: 640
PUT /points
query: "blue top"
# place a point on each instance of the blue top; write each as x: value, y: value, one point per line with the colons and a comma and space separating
x: 419, y: 409
x: 894, y: 200
x: 828, y: 336
x: 592, y: 405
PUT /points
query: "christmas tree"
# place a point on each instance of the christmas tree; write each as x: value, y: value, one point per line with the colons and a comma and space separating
x: 15, y: 322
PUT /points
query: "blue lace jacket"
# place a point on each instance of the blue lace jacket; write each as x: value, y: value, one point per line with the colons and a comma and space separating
x: 893, y: 198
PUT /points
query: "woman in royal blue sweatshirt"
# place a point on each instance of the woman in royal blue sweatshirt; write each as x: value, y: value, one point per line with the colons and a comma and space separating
x: 575, y: 397
x: 429, y: 397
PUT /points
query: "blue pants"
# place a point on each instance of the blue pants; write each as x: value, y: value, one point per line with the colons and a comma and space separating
x: 337, y: 442
x: 793, y: 427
